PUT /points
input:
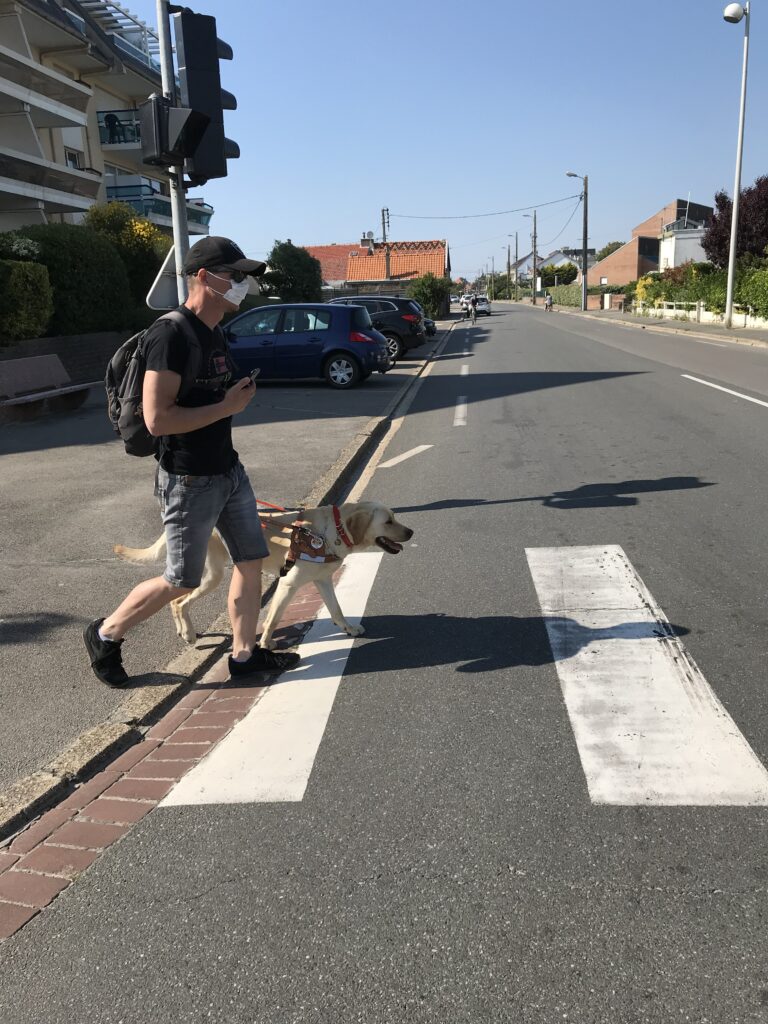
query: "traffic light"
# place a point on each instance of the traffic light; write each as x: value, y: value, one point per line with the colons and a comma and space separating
x: 198, y: 52
x: 169, y: 134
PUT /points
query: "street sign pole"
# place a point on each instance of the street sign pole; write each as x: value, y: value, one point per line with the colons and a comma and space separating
x: 178, y: 198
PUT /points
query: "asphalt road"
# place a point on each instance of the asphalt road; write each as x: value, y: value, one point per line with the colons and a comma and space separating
x: 446, y: 862
x: 69, y: 493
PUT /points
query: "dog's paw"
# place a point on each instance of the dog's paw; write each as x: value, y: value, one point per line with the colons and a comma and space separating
x: 267, y: 643
x: 354, y: 630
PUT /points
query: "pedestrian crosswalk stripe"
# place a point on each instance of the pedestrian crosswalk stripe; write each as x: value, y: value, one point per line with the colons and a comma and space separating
x: 648, y: 727
x: 269, y: 755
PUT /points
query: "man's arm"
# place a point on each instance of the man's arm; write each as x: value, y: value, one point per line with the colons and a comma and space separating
x: 163, y: 416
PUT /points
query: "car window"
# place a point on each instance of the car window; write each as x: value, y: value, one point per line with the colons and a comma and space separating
x: 306, y: 320
x: 387, y: 307
x: 360, y: 317
x: 416, y: 307
x: 260, y: 321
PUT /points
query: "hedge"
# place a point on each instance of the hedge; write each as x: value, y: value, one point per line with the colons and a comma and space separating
x: 566, y: 294
x: 88, y: 278
x: 26, y: 300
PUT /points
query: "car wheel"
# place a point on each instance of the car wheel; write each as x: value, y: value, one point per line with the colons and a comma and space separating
x: 394, y: 347
x: 342, y: 371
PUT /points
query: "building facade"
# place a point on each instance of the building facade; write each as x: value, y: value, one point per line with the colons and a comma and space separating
x: 72, y: 74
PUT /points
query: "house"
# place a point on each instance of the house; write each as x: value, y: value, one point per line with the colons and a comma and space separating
x: 642, y: 253
x: 681, y: 241
x: 72, y: 74
x: 379, y: 264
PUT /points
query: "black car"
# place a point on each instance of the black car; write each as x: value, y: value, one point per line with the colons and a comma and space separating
x: 401, y: 321
x: 307, y: 339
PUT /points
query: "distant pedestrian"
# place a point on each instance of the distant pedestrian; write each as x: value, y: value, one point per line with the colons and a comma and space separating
x: 548, y: 302
x: 200, y: 482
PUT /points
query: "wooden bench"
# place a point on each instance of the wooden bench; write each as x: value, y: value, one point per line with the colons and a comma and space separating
x: 37, y: 379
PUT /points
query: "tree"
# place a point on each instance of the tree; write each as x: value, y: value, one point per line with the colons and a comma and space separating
x: 608, y: 249
x: 433, y: 293
x: 565, y: 274
x: 294, y: 275
x: 752, y: 236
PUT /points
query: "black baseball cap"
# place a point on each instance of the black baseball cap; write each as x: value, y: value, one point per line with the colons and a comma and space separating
x: 215, y: 252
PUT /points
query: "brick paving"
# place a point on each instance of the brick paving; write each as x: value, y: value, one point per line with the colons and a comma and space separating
x: 49, y: 854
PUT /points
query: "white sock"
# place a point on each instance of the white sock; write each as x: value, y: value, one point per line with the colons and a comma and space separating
x: 103, y: 636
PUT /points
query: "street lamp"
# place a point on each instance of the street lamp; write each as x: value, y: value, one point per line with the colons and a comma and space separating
x: 516, y: 268
x: 585, y: 199
x: 734, y: 14
x: 533, y: 290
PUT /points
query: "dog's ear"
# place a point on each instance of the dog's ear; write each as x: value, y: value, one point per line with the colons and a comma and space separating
x: 357, y: 525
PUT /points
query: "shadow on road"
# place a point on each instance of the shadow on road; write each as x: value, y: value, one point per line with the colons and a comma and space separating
x: 23, y: 629
x: 485, y: 644
x: 606, y: 495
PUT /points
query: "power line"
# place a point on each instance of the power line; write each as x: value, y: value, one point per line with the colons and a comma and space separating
x: 573, y: 211
x: 473, y: 216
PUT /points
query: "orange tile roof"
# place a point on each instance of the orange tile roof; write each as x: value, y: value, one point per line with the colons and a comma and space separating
x: 333, y: 259
x: 403, y: 265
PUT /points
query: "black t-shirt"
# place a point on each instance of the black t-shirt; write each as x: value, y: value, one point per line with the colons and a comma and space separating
x: 209, y: 450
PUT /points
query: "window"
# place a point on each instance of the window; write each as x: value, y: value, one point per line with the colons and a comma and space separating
x: 306, y: 320
x: 260, y: 321
x: 73, y: 159
x: 603, y: 280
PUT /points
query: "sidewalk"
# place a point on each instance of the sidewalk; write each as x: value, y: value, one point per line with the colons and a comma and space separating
x: 715, y: 332
x: 69, y: 494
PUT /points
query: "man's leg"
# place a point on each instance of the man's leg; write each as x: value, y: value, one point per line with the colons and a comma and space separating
x: 141, y: 604
x: 243, y: 604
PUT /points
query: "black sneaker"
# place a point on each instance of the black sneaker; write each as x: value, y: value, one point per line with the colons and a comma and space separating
x: 106, y: 659
x: 262, y: 660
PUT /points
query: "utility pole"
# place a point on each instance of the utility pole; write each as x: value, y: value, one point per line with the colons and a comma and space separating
x: 493, y: 278
x: 517, y: 269
x: 533, y: 290
x: 509, y: 279
x: 584, y: 249
x: 178, y: 198
x: 384, y: 226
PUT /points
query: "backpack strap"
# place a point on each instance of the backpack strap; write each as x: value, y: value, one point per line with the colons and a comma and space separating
x: 193, y: 364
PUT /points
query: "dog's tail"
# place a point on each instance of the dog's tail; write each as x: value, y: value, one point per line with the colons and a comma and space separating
x: 141, y: 555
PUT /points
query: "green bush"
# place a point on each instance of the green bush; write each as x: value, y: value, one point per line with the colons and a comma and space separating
x: 89, y: 281
x: 433, y: 293
x: 26, y: 300
x: 140, y: 244
x: 753, y: 291
x: 566, y: 295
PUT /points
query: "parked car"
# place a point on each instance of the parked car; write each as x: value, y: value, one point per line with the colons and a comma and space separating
x: 399, y: 320
x: 464, y: 300
x: 308, y: 340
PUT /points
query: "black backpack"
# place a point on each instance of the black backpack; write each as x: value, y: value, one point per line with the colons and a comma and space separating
x: 125, y: 382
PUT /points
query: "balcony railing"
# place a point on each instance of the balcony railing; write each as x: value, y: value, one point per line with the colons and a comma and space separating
x: 149, y: 203
x: 118, y: 126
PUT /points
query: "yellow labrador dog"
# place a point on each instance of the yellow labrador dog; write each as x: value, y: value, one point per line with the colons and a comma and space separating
x: 311, y: 552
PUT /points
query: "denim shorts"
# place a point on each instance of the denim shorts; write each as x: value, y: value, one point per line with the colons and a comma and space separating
x: 192, y: 506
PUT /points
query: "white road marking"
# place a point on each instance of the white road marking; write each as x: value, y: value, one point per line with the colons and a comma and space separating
x: 648, y: 727
x: 269, y: 755
x: 728, y: 391
x: 465, y: 370
x: 406, y: 455
x: 460, y: 415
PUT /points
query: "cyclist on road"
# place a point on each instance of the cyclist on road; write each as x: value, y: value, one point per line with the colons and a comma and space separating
x: 472, y: 308
x: 548, y: 302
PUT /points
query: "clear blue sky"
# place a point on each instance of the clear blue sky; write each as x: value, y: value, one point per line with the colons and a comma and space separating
x: 434, y: 107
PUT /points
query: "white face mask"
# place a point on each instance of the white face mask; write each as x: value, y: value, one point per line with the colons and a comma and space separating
x: 236, y: 292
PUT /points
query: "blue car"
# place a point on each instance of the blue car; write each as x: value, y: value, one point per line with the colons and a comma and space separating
x: 306, y: 339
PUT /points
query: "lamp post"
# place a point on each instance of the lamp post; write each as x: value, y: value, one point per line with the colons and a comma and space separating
x: 585, y: 200
x: 734, y: 14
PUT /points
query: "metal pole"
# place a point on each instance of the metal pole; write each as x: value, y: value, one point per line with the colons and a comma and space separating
x: 728, y: 319
x: 384, y: 213
x: 509, y: 279
x: 516, y: 267
x: 178, y: 198
x: 533, y: 290
x: 493, y: 278
x: 584, y: 247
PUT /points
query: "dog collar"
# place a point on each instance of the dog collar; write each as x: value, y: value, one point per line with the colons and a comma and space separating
x: 343, y: 535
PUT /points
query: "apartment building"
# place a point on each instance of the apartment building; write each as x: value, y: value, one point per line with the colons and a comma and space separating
x: 72, y: 74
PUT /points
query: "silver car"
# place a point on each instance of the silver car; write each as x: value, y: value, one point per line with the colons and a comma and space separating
x: 483, y: 305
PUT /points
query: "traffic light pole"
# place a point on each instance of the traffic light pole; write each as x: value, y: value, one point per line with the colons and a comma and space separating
x: 178, y: 198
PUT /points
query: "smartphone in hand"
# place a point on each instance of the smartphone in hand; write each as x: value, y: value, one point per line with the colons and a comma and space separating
x: 254, y: 374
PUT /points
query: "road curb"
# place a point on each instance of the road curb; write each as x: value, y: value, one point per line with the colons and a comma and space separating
x: 29, y: 796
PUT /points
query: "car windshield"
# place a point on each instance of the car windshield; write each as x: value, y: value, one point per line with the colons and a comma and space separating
x: 360, y: 317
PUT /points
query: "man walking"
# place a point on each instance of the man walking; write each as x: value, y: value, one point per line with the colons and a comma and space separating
x: 200, y: 481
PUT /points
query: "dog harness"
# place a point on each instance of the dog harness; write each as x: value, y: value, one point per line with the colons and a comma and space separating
x: 307, y: 546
